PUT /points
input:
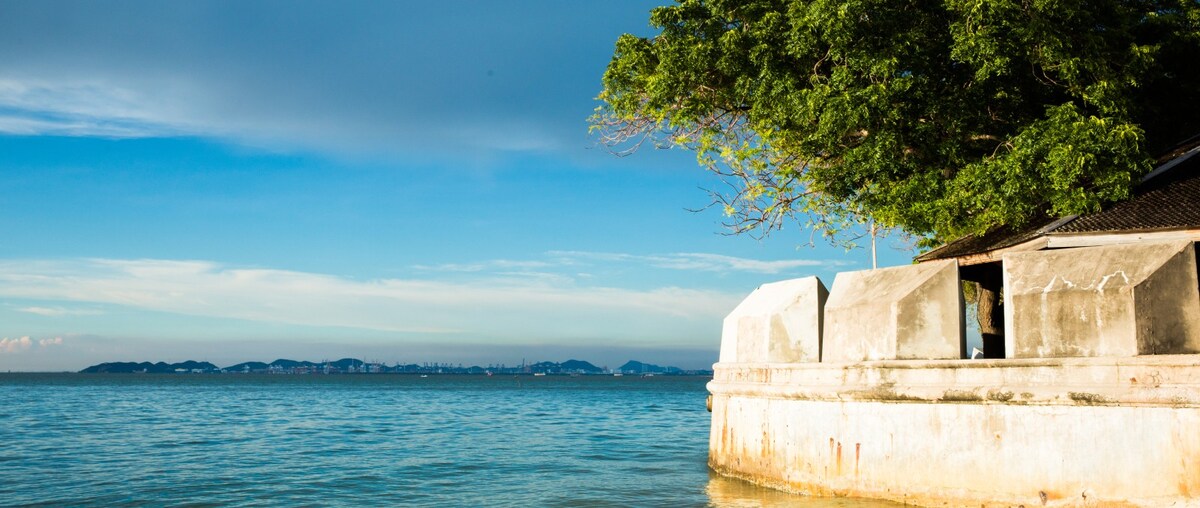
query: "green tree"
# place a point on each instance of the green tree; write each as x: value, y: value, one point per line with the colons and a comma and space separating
x: 940, y: 118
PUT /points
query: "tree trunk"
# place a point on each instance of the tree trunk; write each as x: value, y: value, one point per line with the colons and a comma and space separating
x: 990, y: 314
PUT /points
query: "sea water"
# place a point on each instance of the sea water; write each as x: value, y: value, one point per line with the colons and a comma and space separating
x: 376, y: 440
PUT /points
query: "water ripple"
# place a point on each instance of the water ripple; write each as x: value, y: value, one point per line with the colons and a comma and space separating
x: 245, y: 440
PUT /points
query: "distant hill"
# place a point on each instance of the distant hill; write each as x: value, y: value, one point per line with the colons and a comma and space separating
x: 150, y: 368
x: 346, y: 363
x: 283, y: 364
x: 356, y: 366
x: 247, y: 367
x: 580, y: 366
x: 567, y: 367
x: 636, y: 367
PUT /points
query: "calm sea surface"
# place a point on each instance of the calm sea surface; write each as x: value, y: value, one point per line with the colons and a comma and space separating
x: 216, y: 440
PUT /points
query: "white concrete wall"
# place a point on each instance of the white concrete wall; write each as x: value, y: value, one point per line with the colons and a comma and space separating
x: 1062, y: 432
x: 1120, y: 300
x: 903, y: 312
x: 778, y: 322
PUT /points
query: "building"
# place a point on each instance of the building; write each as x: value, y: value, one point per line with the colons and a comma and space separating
x: 1090, y: 395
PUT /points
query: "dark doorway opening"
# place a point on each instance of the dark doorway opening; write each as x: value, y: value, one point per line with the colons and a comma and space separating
x: 988, y: 280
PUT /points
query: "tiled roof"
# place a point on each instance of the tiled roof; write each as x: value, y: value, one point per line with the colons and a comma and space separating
x: 1168, y: 201
x: 998, y: 238
x: 1169, y: 198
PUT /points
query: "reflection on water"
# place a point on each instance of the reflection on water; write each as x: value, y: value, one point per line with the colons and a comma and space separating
x: 725, y: 492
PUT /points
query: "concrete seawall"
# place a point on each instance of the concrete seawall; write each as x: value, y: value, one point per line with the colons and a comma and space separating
x: 1096, y: 401
x: 1037, y: 432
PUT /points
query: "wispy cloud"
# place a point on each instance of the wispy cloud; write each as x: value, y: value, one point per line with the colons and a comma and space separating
x: 693, y: 261
x: 154, y: 69
x: 696, y: 261
x: 58, y: 311
x: 495, y: 264
x: 42, y: 311
x: 88, y: 108
x: 524, y: 305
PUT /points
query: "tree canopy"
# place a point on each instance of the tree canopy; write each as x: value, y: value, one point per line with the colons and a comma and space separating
x: 941, y: 118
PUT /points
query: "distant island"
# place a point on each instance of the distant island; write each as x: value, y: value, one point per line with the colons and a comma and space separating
x: 356, y: 366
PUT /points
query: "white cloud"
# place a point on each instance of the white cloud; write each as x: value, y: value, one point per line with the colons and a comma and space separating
x: 462, y: 88
x: 58, y: 311
x: 453, y: 267
x: 696, y: 261
x: 42, y: 311
x: 82, y: 108
x: 495, y: 264
x: 149, y: 107
x: 515, y: 305
x: 8, y: 345
x: 19, y: 344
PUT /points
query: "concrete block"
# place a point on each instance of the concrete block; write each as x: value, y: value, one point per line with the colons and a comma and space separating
x: 901, y: 313
x: 779, y: 322
x: 1119, y: 300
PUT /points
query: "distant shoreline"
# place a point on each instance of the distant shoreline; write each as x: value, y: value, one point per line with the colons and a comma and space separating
x: 687, y: 373
x: 356, y: 366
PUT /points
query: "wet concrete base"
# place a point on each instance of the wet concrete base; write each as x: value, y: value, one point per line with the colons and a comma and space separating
x: 1040, y: 432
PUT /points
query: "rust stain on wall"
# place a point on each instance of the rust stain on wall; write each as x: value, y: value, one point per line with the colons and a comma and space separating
x: 839, y: 458
x: 857, y: 454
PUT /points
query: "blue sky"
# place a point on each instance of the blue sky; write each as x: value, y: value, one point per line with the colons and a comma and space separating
x: 403, y: 181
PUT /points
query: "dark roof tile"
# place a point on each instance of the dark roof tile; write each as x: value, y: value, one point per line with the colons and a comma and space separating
x: 1168, y: 199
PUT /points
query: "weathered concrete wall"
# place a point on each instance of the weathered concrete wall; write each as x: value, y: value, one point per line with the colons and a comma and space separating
x: 1039, y: 432
x: 1120, y: 300
x: 778, y: 322
x: 904, y: 312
